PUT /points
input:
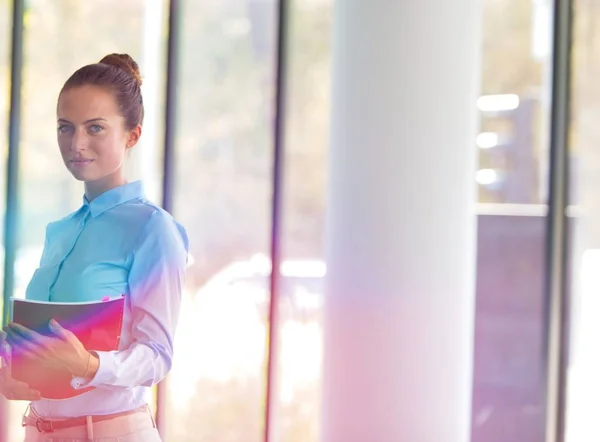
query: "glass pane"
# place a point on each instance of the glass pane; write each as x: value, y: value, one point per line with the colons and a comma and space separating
x: 513, y: 149
x: 5, y: 55
x: 513, y: 143
x: 584, y: 236
x: 223, y: 197
x: 5, y: 42
x: 297, y: 413
x: 61, y: 36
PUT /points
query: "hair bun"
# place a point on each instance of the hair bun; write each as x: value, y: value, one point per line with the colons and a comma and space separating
x: 125, y: 62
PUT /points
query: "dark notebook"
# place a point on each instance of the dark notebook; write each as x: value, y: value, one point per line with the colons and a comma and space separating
x: 96, y: 324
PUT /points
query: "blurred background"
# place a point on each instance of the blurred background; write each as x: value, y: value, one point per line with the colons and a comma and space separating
x: 223, y: 191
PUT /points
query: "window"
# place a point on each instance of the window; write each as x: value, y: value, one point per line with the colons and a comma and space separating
x: 222, y: 196
x: 583, y: 387
x: 508, y: 399
x: 297, y: 377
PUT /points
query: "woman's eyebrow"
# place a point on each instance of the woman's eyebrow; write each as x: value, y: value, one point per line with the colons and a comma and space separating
x: 62, y: 120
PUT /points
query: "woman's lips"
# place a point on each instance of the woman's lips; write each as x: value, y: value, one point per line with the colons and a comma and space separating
x: 81, y: 162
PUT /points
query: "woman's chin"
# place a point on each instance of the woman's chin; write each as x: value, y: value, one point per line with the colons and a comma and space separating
x: 81, y: 175
x: 78, y: 176
x: 83, y: 171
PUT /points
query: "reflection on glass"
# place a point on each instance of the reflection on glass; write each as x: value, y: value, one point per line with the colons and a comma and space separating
x: 507, y: 391
x: 223, y: 196
x: 5, y: 44
x: 512, y: 149
x: 583, y: 381
x: 514, y: 103
x: 5, y: 41
x: 61, y: 36
x: 297, y: 411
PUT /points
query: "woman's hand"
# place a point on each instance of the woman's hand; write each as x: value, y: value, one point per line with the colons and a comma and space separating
x: 62, y: 351
x: 16, y: 390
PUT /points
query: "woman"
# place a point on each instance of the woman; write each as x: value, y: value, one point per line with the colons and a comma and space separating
x: 116, y: 243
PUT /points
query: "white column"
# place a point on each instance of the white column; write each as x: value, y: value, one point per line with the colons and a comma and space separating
x: 399, y: 303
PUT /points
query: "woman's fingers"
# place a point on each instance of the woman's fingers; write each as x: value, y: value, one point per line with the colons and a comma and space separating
x: 20, y: 391
x: 21, y: 343
x: 22, y: 347
x: 30, y: 335
x: 23, y: 395
x: 15, y: 390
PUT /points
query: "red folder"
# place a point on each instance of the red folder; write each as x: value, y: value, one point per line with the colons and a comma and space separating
x: 97, y: 325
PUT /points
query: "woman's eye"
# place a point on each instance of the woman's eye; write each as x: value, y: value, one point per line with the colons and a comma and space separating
x: 95, y: 128
x: 63, y: 129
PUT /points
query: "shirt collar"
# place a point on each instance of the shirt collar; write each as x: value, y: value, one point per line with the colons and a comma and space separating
x: 113, y: 197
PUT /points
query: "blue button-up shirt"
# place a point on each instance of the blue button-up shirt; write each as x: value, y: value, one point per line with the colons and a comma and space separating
x: 118, y: 243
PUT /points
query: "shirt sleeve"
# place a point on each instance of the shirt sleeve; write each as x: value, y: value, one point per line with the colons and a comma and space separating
x: 4, y: 350
x: 156, y: 281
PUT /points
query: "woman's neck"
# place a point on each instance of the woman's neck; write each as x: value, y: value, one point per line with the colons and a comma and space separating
x: 97, y: 187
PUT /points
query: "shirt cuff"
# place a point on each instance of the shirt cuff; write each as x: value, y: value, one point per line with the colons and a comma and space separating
x: 4, y: 354
x: 106, y: 366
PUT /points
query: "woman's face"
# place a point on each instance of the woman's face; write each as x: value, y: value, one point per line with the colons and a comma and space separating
x: 92, y: 136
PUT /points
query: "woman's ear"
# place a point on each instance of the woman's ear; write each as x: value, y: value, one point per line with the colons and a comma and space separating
x: 134, y: 136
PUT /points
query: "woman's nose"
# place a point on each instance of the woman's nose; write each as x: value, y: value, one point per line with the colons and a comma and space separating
x: 78, y: 142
